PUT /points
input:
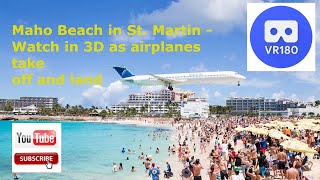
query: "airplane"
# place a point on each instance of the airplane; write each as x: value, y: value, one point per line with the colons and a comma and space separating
x: 219, y: 77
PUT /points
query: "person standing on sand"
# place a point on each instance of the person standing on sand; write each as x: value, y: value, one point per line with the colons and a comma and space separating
x: 202, y: 146
x: 212, y: 173
x: 154, y: 172
x: 222, y: 166
x: 292, y: 173
x: 197, y: 170
x: 186, y: 174
x: 282, y: 161
x: 262, y: 163
x: 224, y: 150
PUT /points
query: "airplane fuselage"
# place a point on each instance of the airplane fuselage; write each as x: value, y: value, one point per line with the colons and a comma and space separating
x: 221, y: 77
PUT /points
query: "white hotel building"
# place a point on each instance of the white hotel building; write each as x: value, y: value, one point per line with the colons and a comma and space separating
x: 195, y: 108
x: 156, y: 101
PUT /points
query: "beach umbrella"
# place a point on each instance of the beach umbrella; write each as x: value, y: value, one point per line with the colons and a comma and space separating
x: 262, y: 131
x: 238, y: 129
x: 277, y: 134
x: 257, y: 130
x: 315, y: 121
x: 269, y: 125
x: 297, y: 146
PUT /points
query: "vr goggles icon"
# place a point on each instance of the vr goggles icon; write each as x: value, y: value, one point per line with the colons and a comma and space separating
x: 275, y: 29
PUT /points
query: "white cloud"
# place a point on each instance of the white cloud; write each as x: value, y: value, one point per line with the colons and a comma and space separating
x: 98, y: 95
x: 308, y: 77
x: 166, y: 66
x: 258, y: 83
x: 221, y: 15
x: 199, y: 68
x: 124, y: 38
x: 216, y: 94
x: 151, y: 88
x: 278, y: 95
x: 233, y: 94
x: 311, y: 99
x: 205, y: 93
x: 294, y: 97
x: 62, y: 100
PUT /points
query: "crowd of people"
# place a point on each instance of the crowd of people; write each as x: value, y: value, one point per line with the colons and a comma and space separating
x: 214, y: 149
x: 257, y: 157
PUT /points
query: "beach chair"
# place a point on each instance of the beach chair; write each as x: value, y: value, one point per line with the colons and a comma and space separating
x: 306, y: 164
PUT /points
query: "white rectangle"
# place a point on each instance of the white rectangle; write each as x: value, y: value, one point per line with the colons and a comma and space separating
x: 29, y: 128
x: 254, y: 63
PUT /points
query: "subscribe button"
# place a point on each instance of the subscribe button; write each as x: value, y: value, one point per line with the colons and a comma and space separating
x: 35, y: 158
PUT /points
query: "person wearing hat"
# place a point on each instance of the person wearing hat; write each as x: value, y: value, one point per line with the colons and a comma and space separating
x: 185, y: 174
x: 154, y: 172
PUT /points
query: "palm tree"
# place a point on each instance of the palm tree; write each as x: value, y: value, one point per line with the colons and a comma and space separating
x: 142, y: 110
x: 311, y: 114
x: 159, y: 107
x: 103, y: 113
x: 8, y: 106
x: 169, y: 106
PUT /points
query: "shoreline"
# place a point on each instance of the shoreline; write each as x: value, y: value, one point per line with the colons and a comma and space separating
x: 135, y: 121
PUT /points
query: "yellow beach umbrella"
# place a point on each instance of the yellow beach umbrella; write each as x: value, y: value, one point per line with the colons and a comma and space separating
x: 256, y: 130
x: 297, y: 146
x: 277, y: 134
x: 238, y: 129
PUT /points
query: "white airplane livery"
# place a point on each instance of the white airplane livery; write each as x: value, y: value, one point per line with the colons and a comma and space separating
x: 169, y: 80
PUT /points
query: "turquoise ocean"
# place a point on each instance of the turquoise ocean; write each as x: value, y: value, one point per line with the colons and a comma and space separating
x: 89, y: 150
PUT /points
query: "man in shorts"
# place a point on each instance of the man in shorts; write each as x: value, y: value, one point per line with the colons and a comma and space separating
x: 282, y: 161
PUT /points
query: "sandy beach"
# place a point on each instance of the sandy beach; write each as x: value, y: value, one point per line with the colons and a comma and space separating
x: 177, y: 166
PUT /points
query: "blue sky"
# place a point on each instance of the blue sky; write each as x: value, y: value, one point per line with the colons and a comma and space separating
x: 224, y: 49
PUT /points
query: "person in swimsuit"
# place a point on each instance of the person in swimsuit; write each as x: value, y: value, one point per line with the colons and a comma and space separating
x: 147, y: 164
x: 282, y: 161
x: 292, y: 173
x: 212, y: 173
x: 197, y: 170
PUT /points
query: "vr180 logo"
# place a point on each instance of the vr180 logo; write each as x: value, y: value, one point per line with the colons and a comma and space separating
x: 275, y: 30
x: 280, y: 37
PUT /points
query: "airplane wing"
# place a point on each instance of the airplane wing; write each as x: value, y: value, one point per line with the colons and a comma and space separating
x: 167, y: 81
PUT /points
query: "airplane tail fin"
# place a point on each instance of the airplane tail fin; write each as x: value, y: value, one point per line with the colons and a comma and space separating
x: 123, y: 72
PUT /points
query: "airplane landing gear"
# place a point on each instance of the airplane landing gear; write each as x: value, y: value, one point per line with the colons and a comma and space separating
x: 170, y: 88
x: 238, y: 83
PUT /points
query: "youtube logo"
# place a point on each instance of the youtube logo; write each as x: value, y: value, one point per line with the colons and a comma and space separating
x: 36, y: 147
x: 39, y: 137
